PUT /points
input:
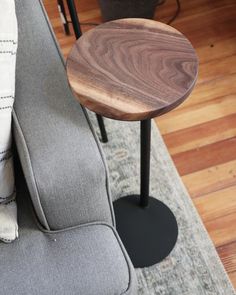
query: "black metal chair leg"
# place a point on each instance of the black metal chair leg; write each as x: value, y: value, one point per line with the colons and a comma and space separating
x: 102, y: 128
x: 63, y: 16
x: 78, y: 33
x: 74, y: 18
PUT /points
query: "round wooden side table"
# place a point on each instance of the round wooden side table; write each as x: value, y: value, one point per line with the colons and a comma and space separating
x: 134, y: 70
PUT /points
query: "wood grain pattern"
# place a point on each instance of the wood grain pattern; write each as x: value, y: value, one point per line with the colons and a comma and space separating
x: 211, y: 179
x: 132, y: 69
x: 222, y: 230
x: 210, y: 26
x: 214, y: 131
x: 193, y: 115
x: 203, y: 157
x: 217, y: 204
x: 228, y: 256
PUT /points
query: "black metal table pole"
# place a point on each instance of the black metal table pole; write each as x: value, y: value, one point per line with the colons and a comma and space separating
x: 145, y: 161
x: 78, y: 33
x: 147, y: 227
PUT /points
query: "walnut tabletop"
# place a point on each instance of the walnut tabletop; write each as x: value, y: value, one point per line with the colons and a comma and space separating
x: 132, y: 69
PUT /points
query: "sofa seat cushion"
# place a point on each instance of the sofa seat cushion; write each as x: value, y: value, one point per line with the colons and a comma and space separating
x: 82, y: 260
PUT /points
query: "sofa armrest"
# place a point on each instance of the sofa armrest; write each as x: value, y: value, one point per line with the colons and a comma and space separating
x: 59, y: 153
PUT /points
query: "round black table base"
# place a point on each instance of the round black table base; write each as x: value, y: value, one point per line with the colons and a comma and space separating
x: 148, y: 234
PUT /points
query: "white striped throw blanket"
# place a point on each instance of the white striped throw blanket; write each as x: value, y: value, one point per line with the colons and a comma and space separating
x: 8, y: 46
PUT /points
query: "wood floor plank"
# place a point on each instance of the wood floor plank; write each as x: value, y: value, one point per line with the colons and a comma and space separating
x: 216, y: 204
x: 210, y: 20
x: 90, y: 14
x: 195, y: 9
x: 201, y: 135
x: 217, y: 68
x: 222, y: 230
x: 211, y: 179
x: 218, y: 87
x: 205, y: 156
x: 192, y: 115
x: 85, y: 5
x: 232, y: 276
x: 217, y: 51
x: 227, y: 254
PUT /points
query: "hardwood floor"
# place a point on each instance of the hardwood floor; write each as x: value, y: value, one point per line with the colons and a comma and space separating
x: 201, y: 133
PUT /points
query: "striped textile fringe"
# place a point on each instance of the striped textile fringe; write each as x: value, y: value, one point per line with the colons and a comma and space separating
x: 8, y: 49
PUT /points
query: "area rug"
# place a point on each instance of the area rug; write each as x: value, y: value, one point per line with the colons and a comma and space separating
x: 193, y: 267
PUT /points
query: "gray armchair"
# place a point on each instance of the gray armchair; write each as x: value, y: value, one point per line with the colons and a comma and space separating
x: 68, y: 243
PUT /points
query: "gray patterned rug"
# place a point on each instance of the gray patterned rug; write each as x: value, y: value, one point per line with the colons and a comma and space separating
x: 193, y: 267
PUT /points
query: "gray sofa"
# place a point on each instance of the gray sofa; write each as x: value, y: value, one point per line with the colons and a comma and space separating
x: 67, y: 239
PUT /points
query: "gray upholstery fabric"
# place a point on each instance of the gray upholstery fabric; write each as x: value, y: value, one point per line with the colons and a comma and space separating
x: 67, y: 179
x: 87, y: 260
x: 61, y: 158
